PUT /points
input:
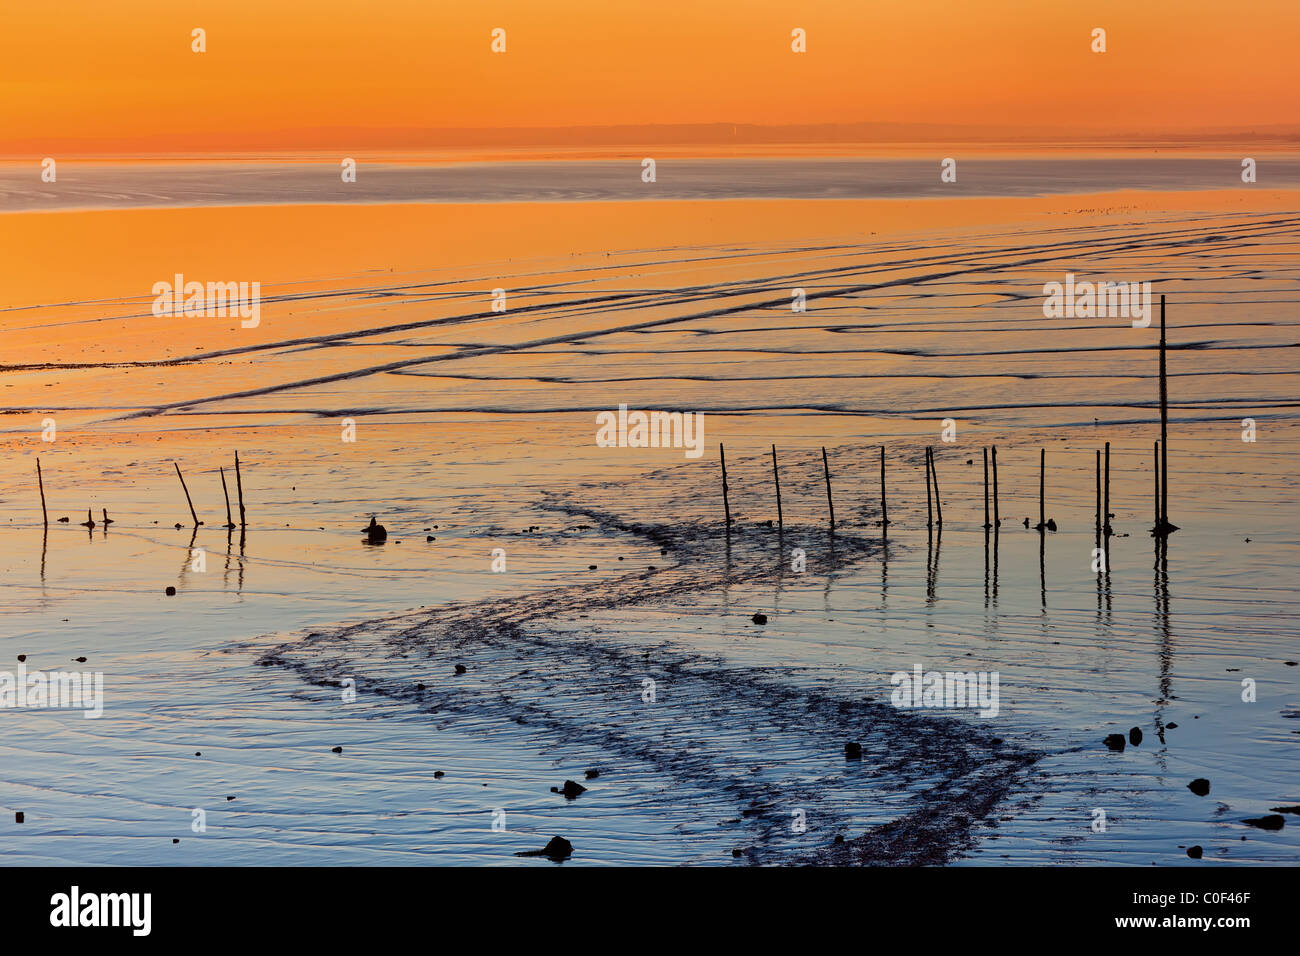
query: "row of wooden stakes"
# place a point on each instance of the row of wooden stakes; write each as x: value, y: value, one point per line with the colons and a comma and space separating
x: 239, y: 486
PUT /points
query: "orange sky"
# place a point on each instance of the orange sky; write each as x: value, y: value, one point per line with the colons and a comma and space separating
x: 119, y: 76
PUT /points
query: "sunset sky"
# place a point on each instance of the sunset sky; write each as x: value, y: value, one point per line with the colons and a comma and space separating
x: 121, y: 78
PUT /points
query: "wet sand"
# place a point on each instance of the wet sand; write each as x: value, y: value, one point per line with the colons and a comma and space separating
x: 478, y: 426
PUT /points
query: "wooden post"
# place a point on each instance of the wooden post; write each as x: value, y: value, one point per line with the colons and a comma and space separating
x: 929, y: 508
x: 187, y: 494
x: 1042, y: 468
x: 884, y: 509
x: 1155, y: 497
x: 41, y: 483
x: 726, y: 504
x: 986, y: 489
x: 239, y: 487
x: 225, y: 491
x: 1163, y: 524
x: 830, y: 503
x: 997, y: 521
x: 776, y: 476
x: 938, y: 505
x: 1099, y: 497
x: 1105, y: 501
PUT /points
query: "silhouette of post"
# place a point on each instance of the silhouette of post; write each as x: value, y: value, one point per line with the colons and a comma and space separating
x: 239, y: 487
x: 1163, y: 526
x: 187, y: 494
x: 929, y: 508
x: 726, y: 504
x: 997, y: 520
x: 938, y: 505
x: 986, y: 489
x: 1155, y: 496
x: 41, y: 483
x: 884, y: 509
x: 225, y: 491
x: 1098, y: 522
x: 1105, y: 501
x: 826, y: 468
x: 776, y: 476
x: 1042, y: 468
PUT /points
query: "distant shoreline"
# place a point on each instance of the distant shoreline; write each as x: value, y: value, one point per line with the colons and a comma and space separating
x: 85, y: 185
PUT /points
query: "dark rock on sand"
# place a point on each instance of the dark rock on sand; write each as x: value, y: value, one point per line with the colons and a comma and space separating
x: 1274, y: 821
x: 171, y: 591
x: 1200, y: 786
x: 1194, y: 852
x: 852, y: 751
x: 1135, y: 736
x: 557, y: 849
x: 1114, y: 742
x: 570, y: 789
x: 759, y: 618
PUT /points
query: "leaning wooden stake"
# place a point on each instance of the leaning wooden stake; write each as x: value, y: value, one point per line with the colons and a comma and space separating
x: 726, y: 504
x: 776, y: 476
x: 884, y: 508
x: 239, y: 487
x: 225, y: 491
x: 41, y: 482
x: 187, y: 494
x: 938, y: 505
x: 830, y: 503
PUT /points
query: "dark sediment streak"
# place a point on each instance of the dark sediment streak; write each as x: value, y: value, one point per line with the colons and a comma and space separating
x: 532, y: 663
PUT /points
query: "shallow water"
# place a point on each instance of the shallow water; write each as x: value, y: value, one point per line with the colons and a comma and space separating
x: 479, y: 426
